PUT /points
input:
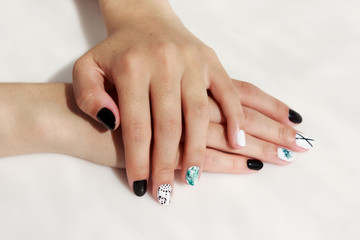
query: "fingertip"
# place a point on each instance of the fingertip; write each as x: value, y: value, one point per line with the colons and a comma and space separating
x: 294, y: 117
x: 192, y: 175
x: 140, y: 187
x: 164, y: 194
x: 107, y: 118
x: 240, y: 138
x: 254, y: 164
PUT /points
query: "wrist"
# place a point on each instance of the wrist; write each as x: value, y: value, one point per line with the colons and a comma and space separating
x: 120, y: 13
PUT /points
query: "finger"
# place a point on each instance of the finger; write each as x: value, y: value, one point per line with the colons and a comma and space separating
x: 196, y: 115
x: 90, y: 93
x: 134, y: 103
x: 255, y: 148
x: 225, y: 94
x: 253, y: 97
x: 166, y: 115
x: 219, y: 162
x: 265, y: 128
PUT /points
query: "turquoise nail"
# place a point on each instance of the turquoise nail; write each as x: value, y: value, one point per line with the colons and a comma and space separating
x: 192, y: 175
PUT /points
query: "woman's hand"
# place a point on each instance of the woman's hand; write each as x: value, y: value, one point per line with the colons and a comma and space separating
x: 160, y: 72
x: 50, y: 121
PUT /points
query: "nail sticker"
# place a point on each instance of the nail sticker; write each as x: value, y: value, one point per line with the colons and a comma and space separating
x: 164, y: 194
x: 286, y: 154
x: 192, y: 175
x: 303, y: 141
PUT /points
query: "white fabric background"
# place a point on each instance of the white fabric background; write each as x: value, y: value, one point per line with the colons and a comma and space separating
x: 305, y: 52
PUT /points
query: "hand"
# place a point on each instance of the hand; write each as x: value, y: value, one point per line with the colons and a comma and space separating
x: 159, y: 70
x: 31, y: 129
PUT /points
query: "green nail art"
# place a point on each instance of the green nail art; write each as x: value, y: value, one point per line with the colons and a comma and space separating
x: 192, y: 175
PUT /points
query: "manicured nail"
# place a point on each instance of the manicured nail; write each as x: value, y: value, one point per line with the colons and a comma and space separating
x: 140, y: 187
x: 240, y: 138
x: 254, y: 164
x: 294, y: 116
x: 286, y: 154
x: 107, y: 118
x: 303, y: 141
x: 164, y: 194
x: 192, y: 175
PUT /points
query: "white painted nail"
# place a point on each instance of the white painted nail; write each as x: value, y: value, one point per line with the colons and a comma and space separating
x: 240, y: 138
x: 303, y: 141
x: 164, y: 194
x: 286, y: 154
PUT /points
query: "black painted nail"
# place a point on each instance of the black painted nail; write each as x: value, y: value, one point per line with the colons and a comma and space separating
x: 107, y: 118
x: 140, y: 187
x: 294, y: 116
x: 254, y: 164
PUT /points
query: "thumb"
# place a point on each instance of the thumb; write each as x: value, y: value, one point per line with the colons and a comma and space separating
x: 90, y: 94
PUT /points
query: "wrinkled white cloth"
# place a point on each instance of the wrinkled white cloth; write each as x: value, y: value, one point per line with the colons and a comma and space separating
x: 306, y: 53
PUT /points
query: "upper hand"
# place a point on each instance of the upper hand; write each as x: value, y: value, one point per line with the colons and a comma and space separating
x: 160, y: 71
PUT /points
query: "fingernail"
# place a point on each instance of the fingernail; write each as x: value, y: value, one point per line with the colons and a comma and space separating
x: 286, y: 154
x: 254, y: 164
x: 107, y: 118
x: 192, y: 175
x: 140, y: 187
x: 164, y: 194
x: 303, y: 141
x: 240, y: 138
x: 294, y: 116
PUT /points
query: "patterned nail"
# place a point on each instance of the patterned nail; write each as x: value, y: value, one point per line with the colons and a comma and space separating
x: 303, y: 141
x: 192, y: 175
x: 107, y: 118
x: 294, y: 116
x: 240, y: 138
x: 164, y: 194
x: 286, y: 154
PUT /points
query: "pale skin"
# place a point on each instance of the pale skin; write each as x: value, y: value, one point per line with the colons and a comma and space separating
x: 45, y: 118
x: 161, y: 73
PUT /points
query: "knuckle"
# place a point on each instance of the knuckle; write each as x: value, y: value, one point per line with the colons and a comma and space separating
x: 138, y: 131
x: 201, y: 110
x: 77, y: 65
x: 164, y: 172
x: 165, y: 51
x: 249, y: 117
x: 218, y: 132
x: 237, y: 165
x: 285, y: 133
x: 247, y: 89
x: 170, y: 127
x: 268, y: 151
x: 83, y: 98
x: 130, y: 62
x: 208, y: 52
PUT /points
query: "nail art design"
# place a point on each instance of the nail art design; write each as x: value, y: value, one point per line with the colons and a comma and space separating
x: 286, y: 154
x: 303, y: 141
x: 164, y: 194
x: 254, y: 164
x: 107, y: 118
x: 294, y: 116
x: 140, y: 187
x: 192, y: 175
x: 240, y: 138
